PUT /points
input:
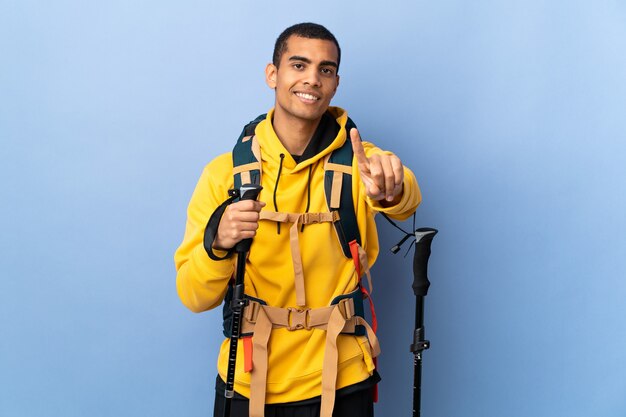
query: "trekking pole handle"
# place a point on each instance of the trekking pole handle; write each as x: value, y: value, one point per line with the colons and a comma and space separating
x: 423, y: 238
x: 247, y: 192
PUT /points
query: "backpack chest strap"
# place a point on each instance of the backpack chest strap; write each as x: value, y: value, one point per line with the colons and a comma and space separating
x: 298, y: 219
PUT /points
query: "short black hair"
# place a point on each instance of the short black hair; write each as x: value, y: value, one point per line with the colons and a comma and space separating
x: 303, y: 30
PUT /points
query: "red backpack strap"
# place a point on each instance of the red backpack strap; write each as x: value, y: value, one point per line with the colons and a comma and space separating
x: 357, y: 254
x: 247, y: 353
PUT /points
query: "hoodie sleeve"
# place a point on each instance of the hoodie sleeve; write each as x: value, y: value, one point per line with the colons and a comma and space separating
x: 201, y: 282
x: 411, y: 196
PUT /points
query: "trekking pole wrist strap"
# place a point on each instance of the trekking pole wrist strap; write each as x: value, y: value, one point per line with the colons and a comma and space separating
x: 210, y: 232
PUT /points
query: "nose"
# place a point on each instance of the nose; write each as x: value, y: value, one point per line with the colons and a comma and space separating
x: 312, y: 77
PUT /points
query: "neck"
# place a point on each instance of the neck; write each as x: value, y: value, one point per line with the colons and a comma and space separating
x: 294, y: 133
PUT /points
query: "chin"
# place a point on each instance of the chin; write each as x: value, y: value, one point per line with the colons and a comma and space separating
x: 309, y: 116
x: 314, y: 114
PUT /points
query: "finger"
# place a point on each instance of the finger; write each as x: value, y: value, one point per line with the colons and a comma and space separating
x: 357, y: 148
x: 258, y: 205
x: 236, y: 219
x: 247, y: 205
x: 236, y: 235
x: 373, y: 191
x: 248, y: 227
x: 398, y: 170
x: 398, y: 190
x: 231, y: 232
x: 377, y: 176
x: 389, y: 177
x: 245, y: 217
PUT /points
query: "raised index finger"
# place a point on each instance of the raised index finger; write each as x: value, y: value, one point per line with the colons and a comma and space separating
x: 357, y: 148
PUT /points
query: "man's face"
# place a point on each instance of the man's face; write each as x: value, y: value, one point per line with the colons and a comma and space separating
x: 306, y: 79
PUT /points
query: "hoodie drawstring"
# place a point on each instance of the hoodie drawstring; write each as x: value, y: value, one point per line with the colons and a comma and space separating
x: 308, y: 195
x: 280, y: 168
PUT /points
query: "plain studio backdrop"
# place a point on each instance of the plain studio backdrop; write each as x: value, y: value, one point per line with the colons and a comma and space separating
x: 512, y: 114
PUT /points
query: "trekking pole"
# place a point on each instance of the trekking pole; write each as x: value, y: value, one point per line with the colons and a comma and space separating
x: 239, y: 302
x: 423, y: 238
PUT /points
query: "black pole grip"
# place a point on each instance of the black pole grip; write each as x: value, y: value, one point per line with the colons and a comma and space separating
x: 247, y: 192
x: 423, y: 238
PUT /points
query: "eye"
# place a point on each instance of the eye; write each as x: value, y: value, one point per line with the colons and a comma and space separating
x: 297, y: 66
x: 328, y: 71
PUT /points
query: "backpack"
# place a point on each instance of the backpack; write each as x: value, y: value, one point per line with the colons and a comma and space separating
x: 337, y: 180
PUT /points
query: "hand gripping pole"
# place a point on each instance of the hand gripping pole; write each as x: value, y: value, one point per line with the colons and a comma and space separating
x: 238, y: 303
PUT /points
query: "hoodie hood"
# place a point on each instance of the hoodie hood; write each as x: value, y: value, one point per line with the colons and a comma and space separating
x: 272, y: 148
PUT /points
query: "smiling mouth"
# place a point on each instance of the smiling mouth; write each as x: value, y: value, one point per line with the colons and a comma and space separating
x: 307, y: 97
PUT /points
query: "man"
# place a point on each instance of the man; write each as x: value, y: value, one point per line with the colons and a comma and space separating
x: 296, y: 266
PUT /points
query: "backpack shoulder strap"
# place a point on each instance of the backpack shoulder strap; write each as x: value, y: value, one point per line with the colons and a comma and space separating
x: 337, y: 179
x: 247, y: 156
x: 338, y: 190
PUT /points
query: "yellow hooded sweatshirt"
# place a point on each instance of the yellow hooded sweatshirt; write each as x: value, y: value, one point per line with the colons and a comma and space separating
x: 295, y: 357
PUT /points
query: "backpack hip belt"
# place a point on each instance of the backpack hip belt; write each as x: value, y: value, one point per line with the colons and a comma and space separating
x: 260, y: 319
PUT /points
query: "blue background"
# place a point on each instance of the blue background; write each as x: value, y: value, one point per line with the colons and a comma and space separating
x: 510, y: 113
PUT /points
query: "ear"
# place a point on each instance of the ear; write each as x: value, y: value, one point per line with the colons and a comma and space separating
x: 270, y: 75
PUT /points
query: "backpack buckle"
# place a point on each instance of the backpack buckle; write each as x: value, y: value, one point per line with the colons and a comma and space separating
x: 310, y: 218
x: 252, y: 311
x: 298, y: 318
x: 346, y: 308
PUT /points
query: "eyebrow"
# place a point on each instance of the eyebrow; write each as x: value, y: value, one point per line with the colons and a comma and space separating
x: 308, y: 61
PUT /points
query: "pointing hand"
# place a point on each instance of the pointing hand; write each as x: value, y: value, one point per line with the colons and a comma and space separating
x: 382, y: 174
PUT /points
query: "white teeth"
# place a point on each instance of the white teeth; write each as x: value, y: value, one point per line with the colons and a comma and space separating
x: 307, y: 96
